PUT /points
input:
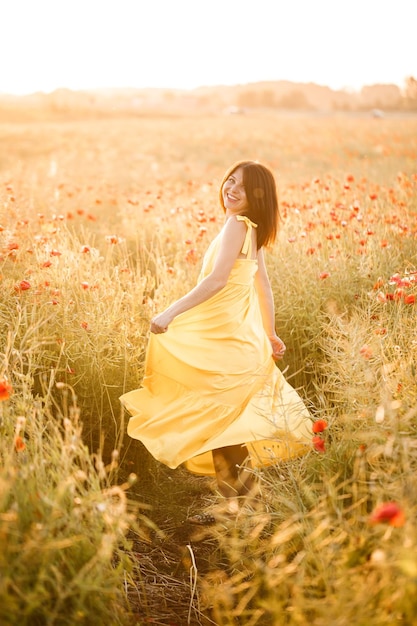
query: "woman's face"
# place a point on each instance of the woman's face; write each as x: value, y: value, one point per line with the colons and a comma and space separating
x: 234, y: 195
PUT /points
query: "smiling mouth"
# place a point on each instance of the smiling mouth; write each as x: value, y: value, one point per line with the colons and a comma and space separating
x: 232, y: 198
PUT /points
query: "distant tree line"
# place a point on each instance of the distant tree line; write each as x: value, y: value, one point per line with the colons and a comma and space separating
x: 278, y: 95
x: 305, y: 97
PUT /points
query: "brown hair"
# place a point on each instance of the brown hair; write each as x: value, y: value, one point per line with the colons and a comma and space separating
x: 261, y: 194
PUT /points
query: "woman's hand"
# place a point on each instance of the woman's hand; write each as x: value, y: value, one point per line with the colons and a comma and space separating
x: 160, y: 323
x: 278, y: 347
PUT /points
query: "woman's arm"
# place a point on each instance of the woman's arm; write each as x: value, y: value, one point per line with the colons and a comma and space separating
x: 231, y: 245
x: 266, y: 303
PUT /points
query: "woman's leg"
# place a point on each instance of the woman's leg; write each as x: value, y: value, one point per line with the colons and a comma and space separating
x: 233, y: 471
x: 234, y: 478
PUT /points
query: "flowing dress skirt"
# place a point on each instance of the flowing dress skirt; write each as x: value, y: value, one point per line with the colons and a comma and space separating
x: 210, y: 381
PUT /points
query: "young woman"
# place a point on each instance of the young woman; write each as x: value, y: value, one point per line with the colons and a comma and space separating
x: 212, y: 397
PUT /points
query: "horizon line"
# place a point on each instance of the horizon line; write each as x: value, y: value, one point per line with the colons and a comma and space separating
x: 346, y: 88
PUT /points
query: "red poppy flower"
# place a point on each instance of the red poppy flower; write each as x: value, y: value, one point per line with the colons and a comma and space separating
x: 5, y: 390
x: 388, y: 513
x: 378, y: 284
x: 366, y: 352
x: 19, y: 444
x: 191, y: 256
x: 324, y: 275
x: 114, y: 239
x: 24, y: 285
x: 319, y: 426
x: 409, y: 298
x: 395, y: 278
x: 319, y: 444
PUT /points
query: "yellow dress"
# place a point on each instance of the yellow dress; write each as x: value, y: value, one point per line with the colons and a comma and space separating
x: 210, y: 381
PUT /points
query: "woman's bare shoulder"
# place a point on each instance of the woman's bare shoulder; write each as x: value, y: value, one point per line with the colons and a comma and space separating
x: 233, y: 228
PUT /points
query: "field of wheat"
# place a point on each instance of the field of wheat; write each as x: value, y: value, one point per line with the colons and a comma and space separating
x: 105, y: 222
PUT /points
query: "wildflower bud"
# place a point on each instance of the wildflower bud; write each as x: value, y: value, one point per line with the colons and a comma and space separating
x: 378, y: 556
x: 132, y: 478
x: 380, y: 414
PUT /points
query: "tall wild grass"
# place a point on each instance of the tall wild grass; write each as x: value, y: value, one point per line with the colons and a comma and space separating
x: 103, y: 224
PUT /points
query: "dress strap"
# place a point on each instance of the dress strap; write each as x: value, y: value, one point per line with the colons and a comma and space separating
x: 247, y: 244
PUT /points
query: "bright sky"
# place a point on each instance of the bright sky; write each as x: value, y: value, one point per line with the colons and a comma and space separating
x: 82, y: 44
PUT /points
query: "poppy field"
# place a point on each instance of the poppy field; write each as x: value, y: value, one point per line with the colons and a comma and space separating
x: 102, y: 224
